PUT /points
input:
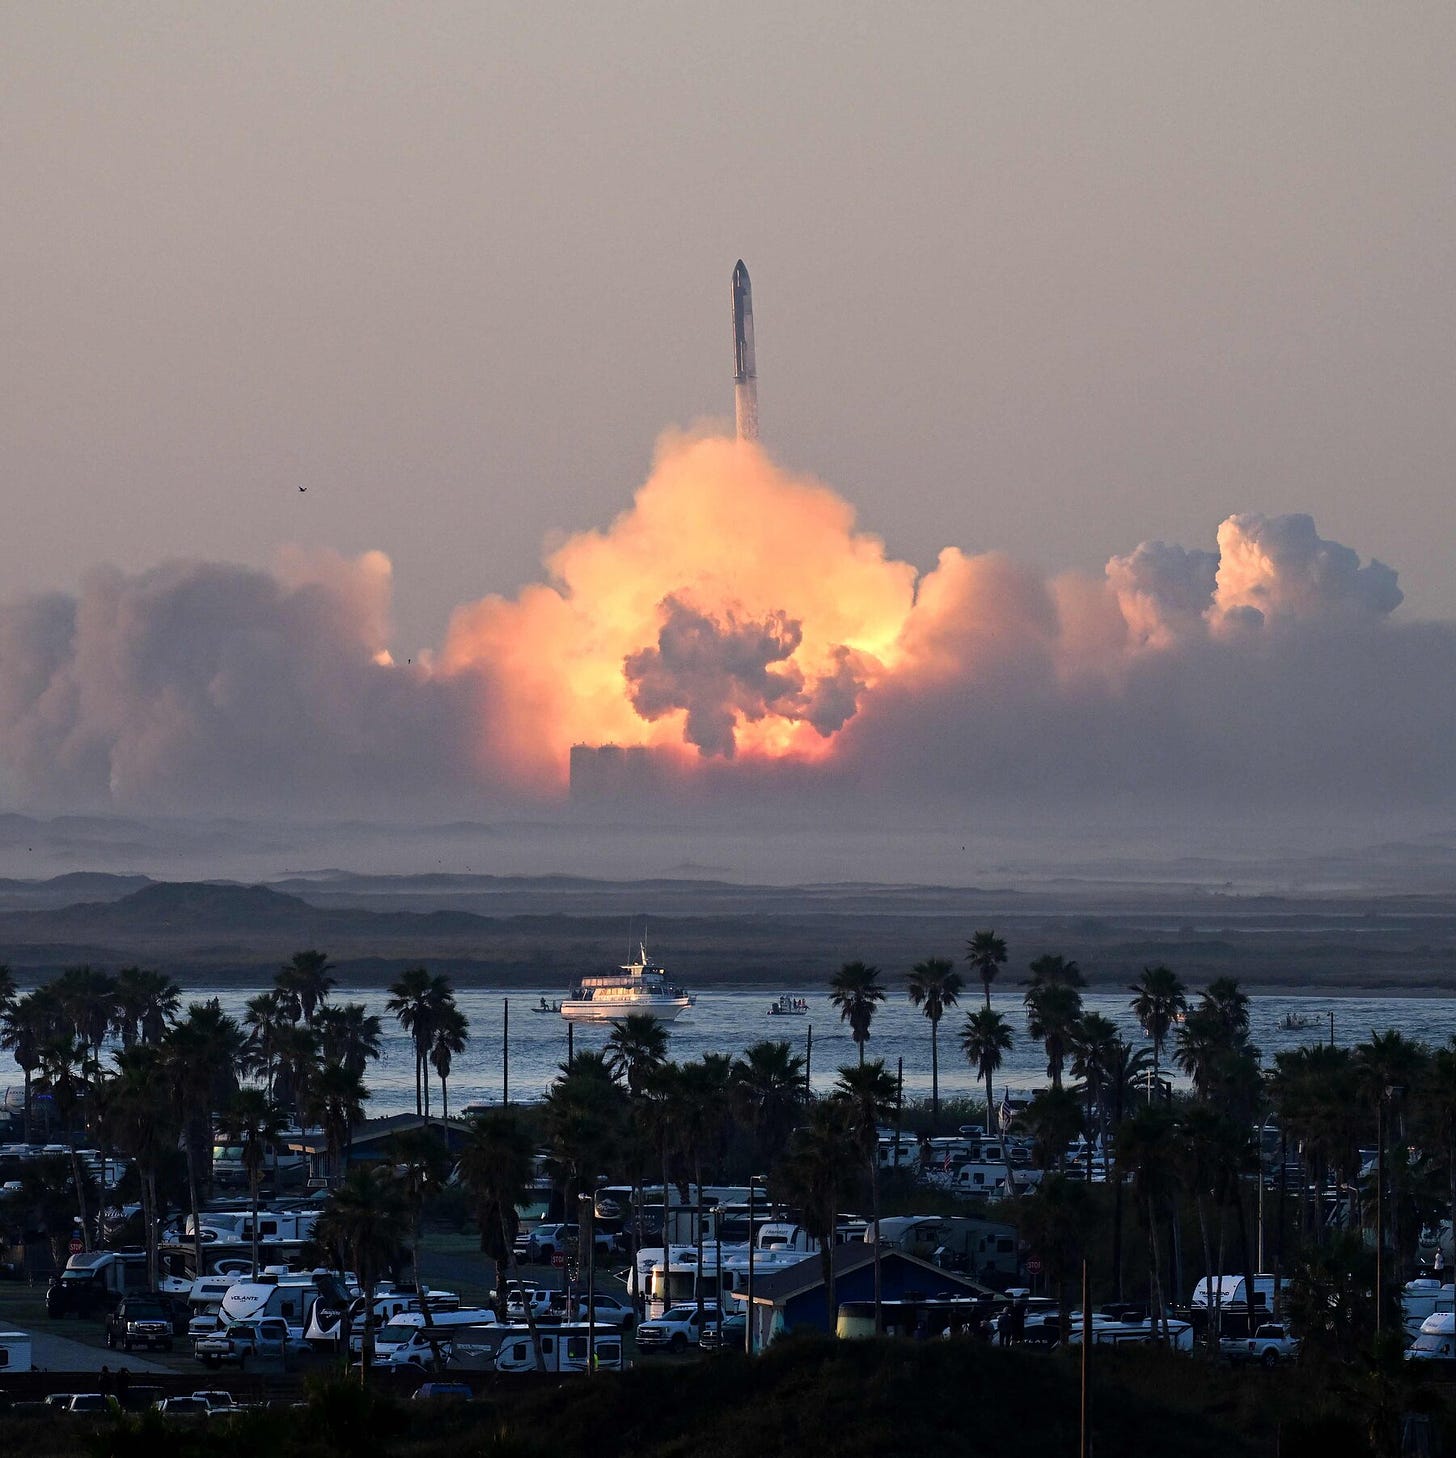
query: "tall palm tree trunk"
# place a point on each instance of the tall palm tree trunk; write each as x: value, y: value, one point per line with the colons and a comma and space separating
x: 1210, y: 1335
x: 934, y: 1082
x: 514, y: 1278
x: 875, y: 1206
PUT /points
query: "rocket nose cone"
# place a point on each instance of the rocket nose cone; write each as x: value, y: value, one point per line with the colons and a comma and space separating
x: 739, y: 271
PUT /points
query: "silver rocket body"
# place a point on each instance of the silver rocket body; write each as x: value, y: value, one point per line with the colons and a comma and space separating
x: 745, y: 374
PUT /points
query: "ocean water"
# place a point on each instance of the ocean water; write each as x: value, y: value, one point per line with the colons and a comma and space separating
x: 728, y: 1021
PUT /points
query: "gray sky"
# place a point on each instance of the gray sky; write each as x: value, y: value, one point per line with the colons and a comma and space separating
x: 1042, y: 277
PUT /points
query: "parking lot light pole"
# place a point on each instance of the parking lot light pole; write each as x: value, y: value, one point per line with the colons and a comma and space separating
x: 753, y: 1183
x: 586, y: 1224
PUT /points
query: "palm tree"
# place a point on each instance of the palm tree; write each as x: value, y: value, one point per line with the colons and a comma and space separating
x: 256, y: 1123
x: 364, y: 1224
x: 87, y: 998
x: 985, y: 1040
x: 584, y: 1112
x: 413, y: 1000
x: 349, y: 1035
x: 63, y: 1063
x: 816, y: 1176
x: 702, y: 1116
x: 1052, y: 1011
x: 143, y: 1121
x: 146, y: 1005
x: 496, y: 1167
x: 203, y: 1055
x: 336, y: 1101
x: 869, y: 1095
x: 25, y: 1025
x: 1145, y: 1150
x: 636, y: 1050
x: 768, y: 1092
x: 1094, y: 1041
x: 934, y: 985
x: 1160, y: 1002
x: 1387, y: 1068
x: 422, y: 1163
x: 450, y: 1035
x: 986, y: 952
x: 306, y: 980
x: 7, y: 986
x: 295, y: 1066
x: 268, y: 1017
x: 1049, y: 970
x: 855, y: 991
x: 1053, y: 1118
x: 636, y: 1047
x: 1126, y: 1073
x: 1056, y: 1220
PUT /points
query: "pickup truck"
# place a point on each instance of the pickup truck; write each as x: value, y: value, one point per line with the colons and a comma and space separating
x: 1269, y: 1346
x: 139, y: 1321
x: 546, y: 1242
x: 258, y: 1336
x: 677, y: 1328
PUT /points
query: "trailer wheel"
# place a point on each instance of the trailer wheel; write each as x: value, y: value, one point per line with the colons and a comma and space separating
x: 1270, y: 1358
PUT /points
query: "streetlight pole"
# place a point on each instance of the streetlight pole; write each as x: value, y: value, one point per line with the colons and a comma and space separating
x: 748, y: 1342
x: 586, y: 1224
x: 1379, y: 1214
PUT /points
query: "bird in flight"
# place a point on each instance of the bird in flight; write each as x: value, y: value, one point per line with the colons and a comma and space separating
x: 303, y: 488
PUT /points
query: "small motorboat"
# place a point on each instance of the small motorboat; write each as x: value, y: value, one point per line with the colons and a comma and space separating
x: 788, y: 1007
x: 547, y: 1007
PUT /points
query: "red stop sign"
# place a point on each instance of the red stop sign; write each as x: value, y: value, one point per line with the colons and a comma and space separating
x: 559, y: 1260
x: 1033, y: 1265
x: 76, y: 1245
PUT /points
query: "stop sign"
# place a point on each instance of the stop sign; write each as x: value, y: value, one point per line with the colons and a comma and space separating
x: 1033, y: 1265
x: 559, y: 1260
x: 76, y: 1245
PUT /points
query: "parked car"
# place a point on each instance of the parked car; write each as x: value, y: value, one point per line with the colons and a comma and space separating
x: 219, y: 1404
x: 608, y: 1310
x: 727, y: 1338
x: 258, y: 1336
x: 139, y: 1321
x: 677, y: 1329
x: 90, y: 1402
x: 535, y: 1297
x: 1269, y: 1346
x: 548, y: 1241
x: 184, y: 1407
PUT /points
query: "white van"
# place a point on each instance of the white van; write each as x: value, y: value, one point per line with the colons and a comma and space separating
x: 563, y: 1349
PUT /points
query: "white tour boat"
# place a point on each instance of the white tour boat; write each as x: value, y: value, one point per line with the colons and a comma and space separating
x: 638, y: 987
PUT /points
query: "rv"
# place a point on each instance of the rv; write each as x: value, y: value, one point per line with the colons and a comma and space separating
x: 1435, y: 1343
x: 982, y: 1248
x: 405, y: 1341
x: 988, y: 1181
x: 1230, y: 1294
x: 563, y: 1349
x: 280, y: 1293
x: 1422, y: 1299
x: 14, y: 1352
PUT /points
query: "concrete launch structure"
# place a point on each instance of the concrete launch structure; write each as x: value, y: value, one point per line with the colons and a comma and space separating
x: 745, y: 375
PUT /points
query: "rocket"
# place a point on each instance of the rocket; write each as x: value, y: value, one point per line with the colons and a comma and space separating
x: 745, y: 376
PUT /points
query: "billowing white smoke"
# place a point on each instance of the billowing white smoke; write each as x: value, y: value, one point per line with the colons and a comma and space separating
x: 735, y: 623
x: 206, y: 686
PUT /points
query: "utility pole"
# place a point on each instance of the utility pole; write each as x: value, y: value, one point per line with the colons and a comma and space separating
x: 506, y: 1053
x: 1085, y: 1450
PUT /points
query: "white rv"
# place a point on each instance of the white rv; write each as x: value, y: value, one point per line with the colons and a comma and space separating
x: 15, y: 1352
x: 563, y: 1349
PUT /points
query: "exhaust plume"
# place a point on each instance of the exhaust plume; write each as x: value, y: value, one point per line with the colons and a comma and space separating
x: 735, y: 632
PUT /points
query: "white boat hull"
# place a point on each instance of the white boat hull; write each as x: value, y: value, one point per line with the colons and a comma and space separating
x: 664, y: 1009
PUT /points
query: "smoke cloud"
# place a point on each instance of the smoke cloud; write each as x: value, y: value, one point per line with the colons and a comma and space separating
x: 739, y: 628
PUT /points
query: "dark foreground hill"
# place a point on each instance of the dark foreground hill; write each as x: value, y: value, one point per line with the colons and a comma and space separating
x: 513, y: 931
x: 932, y: 1399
